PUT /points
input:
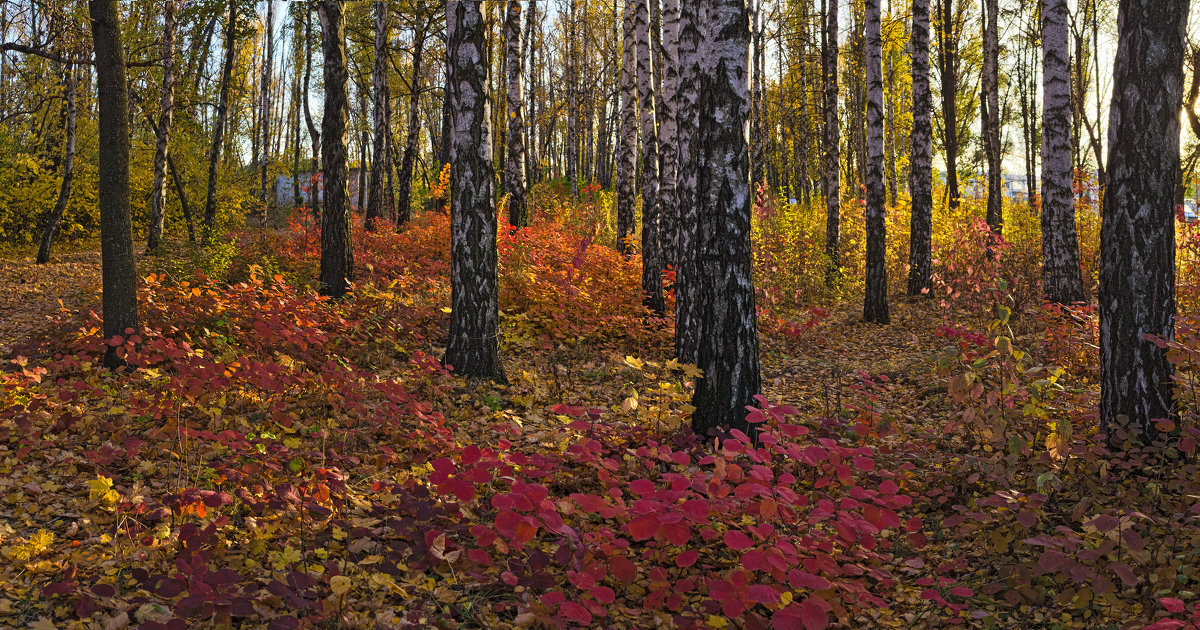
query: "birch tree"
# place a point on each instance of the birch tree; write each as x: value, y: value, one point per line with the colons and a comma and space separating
x: 728, y: 348
x: 408, y: 161
x: 831, y: 179
x: 377, y: 201
x: 920, y: 256
x: 627, y: 138
x: 218, y: 135
x: 514, y: 170
x: 687, y: 120
x: 1137, y: 238
x: 668, y: 138
x: 991, y: 115
x: 337, y: 252
x: 875, y: 306
x: 1060, y: 247
x: 473, y: 346
x: 651, y: 259
x: 158, y: 195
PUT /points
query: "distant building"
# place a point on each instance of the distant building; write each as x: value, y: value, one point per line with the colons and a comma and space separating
x: 285, y: 193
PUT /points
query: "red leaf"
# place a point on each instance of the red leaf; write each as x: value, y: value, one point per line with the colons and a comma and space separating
x: 623, y: 569
x: 802, y: 579
x: 763, y: 594
x: 1027, y: 518
x: 961, y: 591
x: 1105, y: 523
x: 471, y: 455
x: 642, y: 487
x: 603, y: 594
x: 687, y: 558
x: 573, y: 611
x: 1172, y: 604
x: 737, y: 541
x: 644, y: 527
x: 696, y: 509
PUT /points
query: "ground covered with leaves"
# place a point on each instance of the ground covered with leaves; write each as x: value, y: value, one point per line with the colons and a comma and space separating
x: 271, y: 458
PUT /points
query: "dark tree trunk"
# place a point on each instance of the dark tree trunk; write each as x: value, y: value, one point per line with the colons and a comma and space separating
x: 1060, y: 248
x: 1137, y: 239
x: 473, y: 347
x: 875, y: 306
x: 315, y: 181
x: 627, y: 137
x: 268, y: 75
x: 920, y: 256
x: 210, y: 202
x: 404, y: 192
x: 158, y: 212
x: 728, y: 349
x: 651, y: 258
x: 831, y: 173
x: 991, y: 122
x: 514, y: 171
x: 54, y: 217
x: 948, y: 63
x: 118, y: 268
x: 377, y: 201
x: 337, y: 252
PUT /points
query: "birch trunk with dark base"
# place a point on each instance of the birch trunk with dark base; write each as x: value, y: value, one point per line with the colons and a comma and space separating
x: 118, y: 270
x: 1060, y: 247
x: 408, y: 162
x: 1137, y: 239
x: 266, y: 197
x: 831, y: 175
x: 337, y: 252
x: 687, y: 123
x: 314, y: 134
x: 514, y: 170
x: 668, y: 213
x: 158, y: 196
x: 948, y: 66
x: 728, y: 348
x: 54, y: 217
x: 377, y: 200
x: 210, y: 200
x: 920, y: 255
x: 991, y: 122
x: 651, y: 260
x: 474, y: 344
x: 875, y: 306
x: 627, y: 138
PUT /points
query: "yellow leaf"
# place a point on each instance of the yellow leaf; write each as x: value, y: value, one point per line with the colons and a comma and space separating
x: 717, y: 622
x: 101, y: 490
x: 634, y: 363
x: 340, y: 585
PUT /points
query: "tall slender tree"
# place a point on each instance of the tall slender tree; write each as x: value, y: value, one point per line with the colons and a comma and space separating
x: 514, y: 170
x: 166, y: 116
x: 378, y: 203
x: 314, y: 133
x: 687, y: 121
x: 831, y: 173
x: 218, y: 134
x: 991, y: 117
x: 408, y: 162
x: 875, y: 306
x: 627, y: 138
x: 668, y: 203
x: 920, y: 255
x: 728, y: 349
x: 1137, y: 238
x: 54, y: 216
x: 337, y: 252
x: 1060, y: 247
x: 265, y: 189
x: 118, y: 267
x: 474, y: 344
x: 949, y: 29
x: 651, y: 255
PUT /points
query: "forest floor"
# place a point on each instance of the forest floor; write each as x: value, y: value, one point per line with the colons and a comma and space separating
x: 281, y: 461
